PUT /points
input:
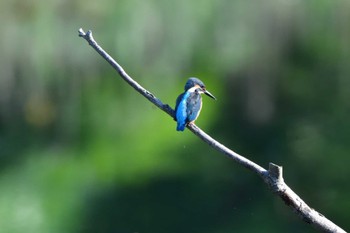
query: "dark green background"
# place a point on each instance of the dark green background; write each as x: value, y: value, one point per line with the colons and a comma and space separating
x: 80, y: 151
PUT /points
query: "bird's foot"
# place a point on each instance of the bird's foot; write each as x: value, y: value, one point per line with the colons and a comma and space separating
x: 191, y: 123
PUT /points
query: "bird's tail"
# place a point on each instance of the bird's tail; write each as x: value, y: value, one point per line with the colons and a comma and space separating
x: 180, y: 127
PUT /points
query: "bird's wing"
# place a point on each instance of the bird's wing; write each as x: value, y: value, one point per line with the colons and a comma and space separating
x: 179, y: 98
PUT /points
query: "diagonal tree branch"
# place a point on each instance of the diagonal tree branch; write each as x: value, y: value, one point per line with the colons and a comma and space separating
x: 273, y: 177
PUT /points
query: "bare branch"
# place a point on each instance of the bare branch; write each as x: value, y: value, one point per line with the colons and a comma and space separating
x: 272, y: 177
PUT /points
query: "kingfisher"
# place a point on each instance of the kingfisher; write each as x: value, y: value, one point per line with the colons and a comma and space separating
x: 189, y: 103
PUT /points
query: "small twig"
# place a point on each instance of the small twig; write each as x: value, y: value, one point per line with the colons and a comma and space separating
x: 273, y: 177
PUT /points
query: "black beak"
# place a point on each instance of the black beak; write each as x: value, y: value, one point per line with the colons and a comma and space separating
x: 209, y: 94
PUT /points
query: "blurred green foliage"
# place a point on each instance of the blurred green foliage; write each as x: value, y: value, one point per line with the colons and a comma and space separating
x: 81, y: 151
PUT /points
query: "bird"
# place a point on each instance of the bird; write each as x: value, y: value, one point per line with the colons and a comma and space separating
x: 189, y: 103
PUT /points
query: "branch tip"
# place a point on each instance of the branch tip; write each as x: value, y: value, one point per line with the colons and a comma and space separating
x: 81, y: 32
x: 87, y: 36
